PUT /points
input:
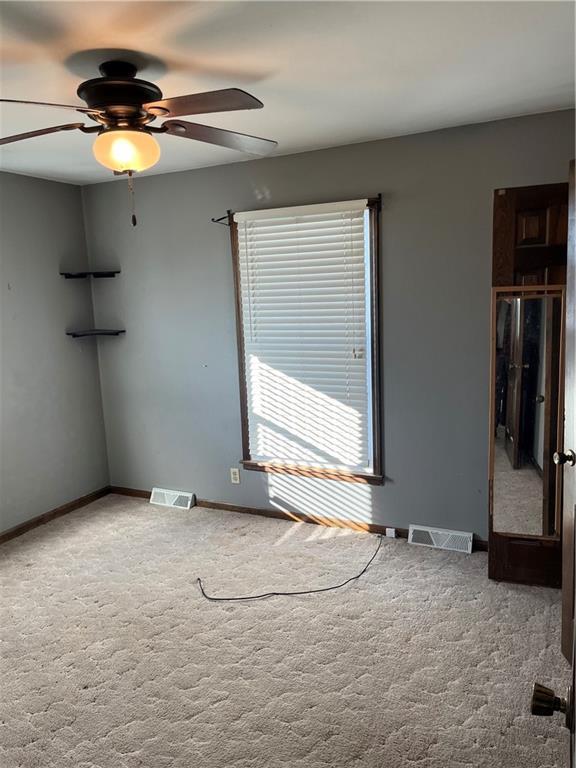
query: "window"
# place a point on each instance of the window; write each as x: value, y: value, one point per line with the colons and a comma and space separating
x: 307, y: 312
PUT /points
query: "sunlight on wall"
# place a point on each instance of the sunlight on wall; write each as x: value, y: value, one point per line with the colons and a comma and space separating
x: 322, y: 500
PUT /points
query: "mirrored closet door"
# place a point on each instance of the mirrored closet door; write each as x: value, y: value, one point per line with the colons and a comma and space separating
x: 526, y: 407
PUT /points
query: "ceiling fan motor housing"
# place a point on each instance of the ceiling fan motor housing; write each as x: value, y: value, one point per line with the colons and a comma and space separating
x: 120, y: 94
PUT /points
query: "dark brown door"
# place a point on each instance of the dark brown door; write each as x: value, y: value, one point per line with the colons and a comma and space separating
x: 530, y: 234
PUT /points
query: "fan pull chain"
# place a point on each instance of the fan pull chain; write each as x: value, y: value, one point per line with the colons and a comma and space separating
x: 132, y: 199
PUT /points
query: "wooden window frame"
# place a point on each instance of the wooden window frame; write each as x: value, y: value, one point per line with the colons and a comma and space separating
x: 376, y: 477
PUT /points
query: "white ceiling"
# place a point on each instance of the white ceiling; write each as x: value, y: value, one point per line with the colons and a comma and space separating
x: 329, y: 73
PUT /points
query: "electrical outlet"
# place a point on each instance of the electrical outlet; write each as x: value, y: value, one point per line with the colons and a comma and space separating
x: 234, y: 475
x: 391, y: 533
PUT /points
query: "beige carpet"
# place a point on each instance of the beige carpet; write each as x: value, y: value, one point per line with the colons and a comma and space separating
x: 112, y: 659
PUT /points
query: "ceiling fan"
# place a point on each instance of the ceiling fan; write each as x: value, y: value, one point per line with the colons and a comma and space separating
x: 124, y: 107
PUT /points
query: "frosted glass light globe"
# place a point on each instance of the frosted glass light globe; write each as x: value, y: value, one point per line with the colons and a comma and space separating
x: 126, y: 150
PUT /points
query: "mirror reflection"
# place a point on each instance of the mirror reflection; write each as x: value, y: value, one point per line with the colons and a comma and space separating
x: 527, y: 338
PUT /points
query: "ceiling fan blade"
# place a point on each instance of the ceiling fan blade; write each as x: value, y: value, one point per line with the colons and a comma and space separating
x: 33, y: 23
x: 84, y: 110
x: 214, y: 69
x: 42, y: 132
x: 226, y: 100
x: 148, y: 19
x: 240, y: 141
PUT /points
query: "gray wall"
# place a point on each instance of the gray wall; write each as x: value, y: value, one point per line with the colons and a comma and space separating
x: 170, y: 386
x: 52, y: 445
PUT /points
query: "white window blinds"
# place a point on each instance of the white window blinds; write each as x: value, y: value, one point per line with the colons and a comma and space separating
x: 304, y: 285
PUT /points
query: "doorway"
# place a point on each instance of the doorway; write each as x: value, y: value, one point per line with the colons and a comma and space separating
x: 526, y: 414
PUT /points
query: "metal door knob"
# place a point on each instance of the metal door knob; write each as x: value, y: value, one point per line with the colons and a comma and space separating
x: 560, y: 458
x: 545, y: 702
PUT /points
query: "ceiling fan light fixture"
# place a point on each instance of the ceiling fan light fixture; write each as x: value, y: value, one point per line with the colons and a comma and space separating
x: 126, y: 150
x: 123, y: 105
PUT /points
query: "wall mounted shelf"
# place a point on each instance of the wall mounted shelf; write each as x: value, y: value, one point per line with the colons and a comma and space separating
x: 96, y: 273
x: 89, y: 332
x: 95, y: 332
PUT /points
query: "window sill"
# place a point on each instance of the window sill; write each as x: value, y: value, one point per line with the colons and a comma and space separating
x: 319, y: 472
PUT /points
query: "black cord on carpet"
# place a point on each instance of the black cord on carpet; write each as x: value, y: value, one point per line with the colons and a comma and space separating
x: 289, y: 594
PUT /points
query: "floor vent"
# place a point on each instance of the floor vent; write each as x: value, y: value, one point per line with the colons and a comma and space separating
x: 440, y: 538
x: 166, y: 498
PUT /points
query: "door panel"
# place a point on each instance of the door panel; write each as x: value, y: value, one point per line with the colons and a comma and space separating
x: 530, y: 235
x: 531, y: 227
